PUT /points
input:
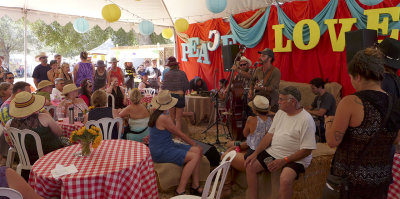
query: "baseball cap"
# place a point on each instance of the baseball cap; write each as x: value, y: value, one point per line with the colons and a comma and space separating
x: 268, y: 52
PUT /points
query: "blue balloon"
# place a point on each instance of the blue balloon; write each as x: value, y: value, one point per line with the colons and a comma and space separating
x: 146, y: 27
x: 216, y: 6
x: 81, y: 25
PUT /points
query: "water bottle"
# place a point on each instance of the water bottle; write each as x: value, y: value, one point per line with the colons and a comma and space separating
x: 71, y: 115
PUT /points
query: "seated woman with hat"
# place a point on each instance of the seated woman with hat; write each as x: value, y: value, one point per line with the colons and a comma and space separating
x: 71, y: 99
x: 24, y: 109
x: 164, y: 150
x: 45, y: 88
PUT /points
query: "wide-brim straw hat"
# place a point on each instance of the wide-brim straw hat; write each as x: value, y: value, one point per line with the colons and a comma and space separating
x: 243, y: 58
x: 25, y: 104
x: 44, y: 83
x: 69, y: 88
x: 259, y: 103
x: 163, y: 101
x: 41, y: 54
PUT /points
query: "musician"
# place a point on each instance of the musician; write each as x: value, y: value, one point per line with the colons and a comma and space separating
x: 244, y: 73
x: 265, y: 80
x: 197, y: 84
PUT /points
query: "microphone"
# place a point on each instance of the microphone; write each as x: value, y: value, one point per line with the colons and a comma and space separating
x: 256, y: 64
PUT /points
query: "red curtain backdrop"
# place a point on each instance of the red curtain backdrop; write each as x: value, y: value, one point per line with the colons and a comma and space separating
x: 296, y: 66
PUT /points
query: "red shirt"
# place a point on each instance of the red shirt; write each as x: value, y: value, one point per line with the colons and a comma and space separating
x: 117, y: 74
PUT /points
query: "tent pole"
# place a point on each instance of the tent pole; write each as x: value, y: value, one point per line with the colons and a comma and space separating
x: 25, y: 43
x: 172, y: 22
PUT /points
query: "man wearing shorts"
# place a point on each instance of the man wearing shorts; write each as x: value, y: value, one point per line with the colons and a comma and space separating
x: 287, y: 145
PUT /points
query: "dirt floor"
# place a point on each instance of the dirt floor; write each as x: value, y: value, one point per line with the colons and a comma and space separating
x: 195, y: 132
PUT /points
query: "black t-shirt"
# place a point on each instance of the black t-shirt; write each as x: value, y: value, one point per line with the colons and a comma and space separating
x: 40, y: 72
x: 391, y: 84
x: 326, y: 101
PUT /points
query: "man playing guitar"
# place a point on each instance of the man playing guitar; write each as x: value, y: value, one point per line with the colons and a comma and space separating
x: 265, y: 80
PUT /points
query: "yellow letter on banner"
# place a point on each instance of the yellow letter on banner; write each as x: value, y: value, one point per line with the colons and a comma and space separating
x: 298, y: 34
x: 373, y: 18
x: 339, y: 43
x: 279, y: 39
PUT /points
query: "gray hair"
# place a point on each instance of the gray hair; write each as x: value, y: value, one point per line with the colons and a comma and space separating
x: 298, y: 105
x: 57, y: 80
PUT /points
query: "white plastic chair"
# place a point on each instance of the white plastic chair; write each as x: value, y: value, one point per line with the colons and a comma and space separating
x: 112, y: 100
x: 106, y: 125
x: 10, y: 193
x: 52, y: 111
x: 224, y: 168
x: 18, y: 139
x: 148, y: 91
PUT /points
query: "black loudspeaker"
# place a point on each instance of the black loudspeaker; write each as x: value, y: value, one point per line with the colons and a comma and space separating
x: 210, y: 152
x: 358, y: 40
x: 229, y: 53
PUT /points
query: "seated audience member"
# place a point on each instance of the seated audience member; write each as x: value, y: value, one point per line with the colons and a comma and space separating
x: 287, y: 145
x: 54, y: 72
x: 254, y: 130
x: 71, y: 99
x: 24, y: 109
x: 164, y: 150
x: 100, y: 111
x: 197, y: 84
x: 138, y: 117
x: 5, y: 107
x: 118, y: 93
x: 154, y: 75
x: 5, y: 91
x: 324, y: 104
x: 86, y: 91
x: 9, y: 77
x: 11, y: 179
x: 45, y: 87
x: 56, y: 94
x: 145, y: 81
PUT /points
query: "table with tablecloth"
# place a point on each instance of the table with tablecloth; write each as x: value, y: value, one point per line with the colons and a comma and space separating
x: 67, y: 128
x: 394, y: 189
x: 201, y: 106
x: 146, y: 99
x: 116, y: 169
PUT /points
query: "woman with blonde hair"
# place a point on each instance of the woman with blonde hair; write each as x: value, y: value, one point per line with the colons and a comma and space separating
x: 54, y: 72
x: 5, y: 91
x: 65, y: 74
x: 138, y: 117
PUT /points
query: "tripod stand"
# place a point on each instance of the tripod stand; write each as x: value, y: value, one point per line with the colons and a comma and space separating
x: 215, y: 97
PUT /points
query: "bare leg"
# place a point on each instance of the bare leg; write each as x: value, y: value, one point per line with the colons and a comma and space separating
x: 286, y: 180
x: 196, y: 172
x: 191, y: 161
x: 172, y: 114
x: 251, y: 175
x: 178, y: 118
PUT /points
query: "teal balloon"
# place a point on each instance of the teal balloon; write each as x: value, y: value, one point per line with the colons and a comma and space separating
x: 146, y: 27
x: 370, y: 2
x: 81, y: 25
x: 216, y: 6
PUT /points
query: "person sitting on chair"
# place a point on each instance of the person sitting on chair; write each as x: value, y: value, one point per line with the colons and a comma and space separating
x: 197, y: 84
x: 45, y: 88
x: 118, y: 93
x: 287, y: 145
x: 11, y: 179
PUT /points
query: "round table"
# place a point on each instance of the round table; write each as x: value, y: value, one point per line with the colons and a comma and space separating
x: 68, y: 128
x: 146, y: 99
x: 201, y: 106
x: 116, y: 169
x: 394, y: 188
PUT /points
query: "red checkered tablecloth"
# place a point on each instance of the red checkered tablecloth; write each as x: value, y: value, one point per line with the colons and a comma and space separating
x: 146, y: 99
x: 68, y: 128
x: 394, y: 189
x: 116, y: 169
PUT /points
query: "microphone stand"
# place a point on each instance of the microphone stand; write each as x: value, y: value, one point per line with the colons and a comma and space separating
x: 215, y: 96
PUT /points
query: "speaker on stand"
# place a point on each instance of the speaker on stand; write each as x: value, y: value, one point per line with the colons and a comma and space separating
x: 229, y: 53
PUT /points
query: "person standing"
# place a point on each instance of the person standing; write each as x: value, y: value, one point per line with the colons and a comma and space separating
x: 9, y: 77
x: 40, y: 71
x: 58, y: 58
x: 391, y: 81
x: 65, y: 74
x: 100, y: 76
x: 266, y: 79
x: 115, y: 71
x: 83, y: 70
x: 154, y: 75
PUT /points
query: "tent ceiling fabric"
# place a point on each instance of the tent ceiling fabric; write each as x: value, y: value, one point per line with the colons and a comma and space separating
x: 132, y: 11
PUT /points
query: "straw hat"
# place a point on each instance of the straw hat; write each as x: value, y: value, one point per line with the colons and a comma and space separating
x: 69, y: 88
x: 163, y: 101
x: 113, y: 59
x: 25, y: 104
x: 260, y: 103
x: 44, y: 83
x: 41, y: 54
x: 243, y: 58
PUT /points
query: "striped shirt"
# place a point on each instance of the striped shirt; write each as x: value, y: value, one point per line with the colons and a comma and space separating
x: 175, y: 80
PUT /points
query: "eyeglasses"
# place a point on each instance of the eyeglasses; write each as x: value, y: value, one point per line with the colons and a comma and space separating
x: 10, y: 77
x: 243, y: 65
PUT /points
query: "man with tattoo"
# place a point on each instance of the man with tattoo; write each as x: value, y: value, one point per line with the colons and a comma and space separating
x: 287, y: 145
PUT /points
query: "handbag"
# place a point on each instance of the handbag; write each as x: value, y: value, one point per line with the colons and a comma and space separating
x: 337, y: 186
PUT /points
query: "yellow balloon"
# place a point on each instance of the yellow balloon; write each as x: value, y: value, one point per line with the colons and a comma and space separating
x: 111, y: 13
x: 167, y: 33
x: 181, y: 25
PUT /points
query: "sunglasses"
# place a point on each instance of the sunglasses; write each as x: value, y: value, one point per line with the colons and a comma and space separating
x: 10, y: 77
x: 243, y: 65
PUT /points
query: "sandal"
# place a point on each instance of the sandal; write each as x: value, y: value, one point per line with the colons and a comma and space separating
x: 195, y: 191
x: 179, y: 194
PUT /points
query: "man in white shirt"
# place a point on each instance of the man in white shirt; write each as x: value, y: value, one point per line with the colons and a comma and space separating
x: 287, y: 145
x: 56, y: 95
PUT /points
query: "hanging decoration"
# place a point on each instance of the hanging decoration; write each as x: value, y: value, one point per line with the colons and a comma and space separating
x: 167, y: 33
x: 181, y: 25
x: 81, y: 25
x: 370, y: 2
x: 216, y: 6
x: 146, y: 27
x: 111, y: 13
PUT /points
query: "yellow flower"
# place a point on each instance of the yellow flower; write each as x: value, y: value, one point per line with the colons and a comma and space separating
x: 91, y: 108
x: 80, y: 132
x: 71, y: 138
x: 97, y: 142
x: 93, y: 132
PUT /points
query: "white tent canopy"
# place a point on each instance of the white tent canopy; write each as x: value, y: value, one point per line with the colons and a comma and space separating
x: 133, y: 11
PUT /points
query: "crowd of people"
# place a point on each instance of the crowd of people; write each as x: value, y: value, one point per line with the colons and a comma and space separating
x: 280, y: 134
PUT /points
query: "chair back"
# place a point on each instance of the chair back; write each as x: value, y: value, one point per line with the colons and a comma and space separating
x: 10, y: 193
x: 18, y: 139
x: 148, y: 91
x: 112, y: 100
x: 52, y: 110
x: 107, y: 125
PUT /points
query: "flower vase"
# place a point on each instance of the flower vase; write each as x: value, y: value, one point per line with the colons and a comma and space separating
x: 85, y: 148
